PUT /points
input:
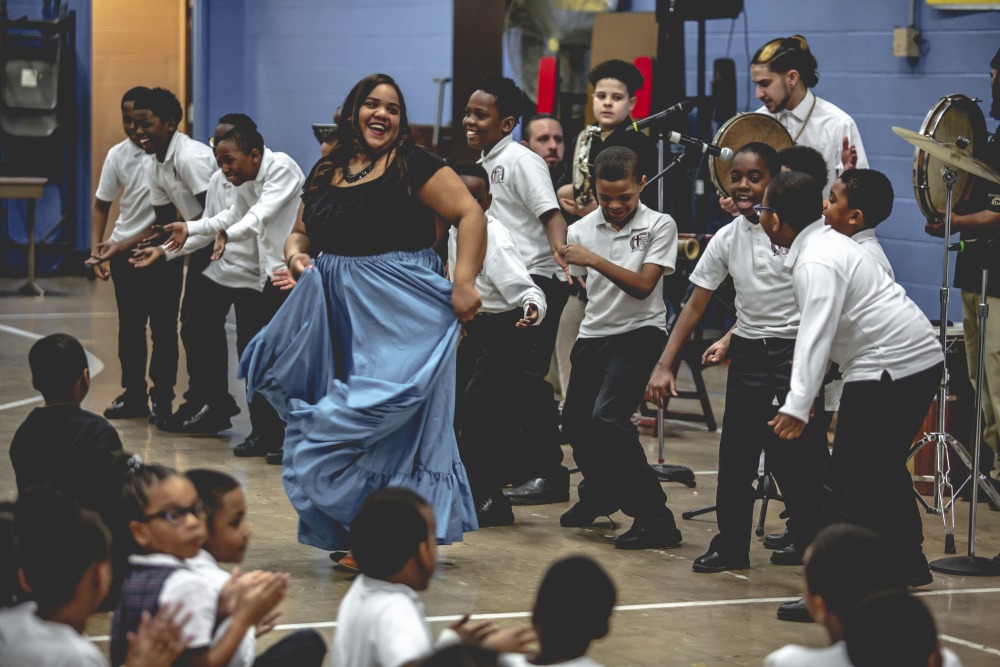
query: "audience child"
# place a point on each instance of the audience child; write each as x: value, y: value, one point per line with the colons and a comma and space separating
x: 895, y: 628
x: 858, y: 201
x: 623, y: 249
x: 61, y: 444
x: 142, y: 298
x: 381, y: 620
x: 523, y: 200
x: 767, y: 320
x: 66, y: 585
x: 490, y: 356
x: 227, y: 539
x: 572, y: 609
x: 167, y: 523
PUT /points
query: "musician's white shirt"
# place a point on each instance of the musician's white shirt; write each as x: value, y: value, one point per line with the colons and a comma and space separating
x: 824, y: 130
x: 765, y: 305
x: 853, y: 313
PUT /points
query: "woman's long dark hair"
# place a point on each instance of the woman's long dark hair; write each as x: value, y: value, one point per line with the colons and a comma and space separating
x: 350, y: 138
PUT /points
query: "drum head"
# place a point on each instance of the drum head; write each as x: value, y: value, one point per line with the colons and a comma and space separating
x: 952, y: 117
x: 739, y: 131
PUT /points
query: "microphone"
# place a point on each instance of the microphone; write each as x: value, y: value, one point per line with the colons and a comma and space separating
x: 682, y: 106
x: 703, y: 146
x: 963, y: 246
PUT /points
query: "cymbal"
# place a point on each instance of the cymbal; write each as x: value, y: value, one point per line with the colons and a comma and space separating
x: 959, y: 158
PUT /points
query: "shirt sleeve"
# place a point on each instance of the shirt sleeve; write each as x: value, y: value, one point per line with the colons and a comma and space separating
x: 196, y: 170
x: 819, y: 292
x: 662, y: 248
x: 511, y: 278
x: 534, y: 185
x: 281, y: 187
x: 421, y: 165
x: 223, y: 220
x: 196, y: 598
x: 111, y: 183
x: 713, y: 267
x: 402, y: 636
x: 573, y: 236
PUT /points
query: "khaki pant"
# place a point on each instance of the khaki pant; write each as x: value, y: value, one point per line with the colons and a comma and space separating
x: 991, y: 376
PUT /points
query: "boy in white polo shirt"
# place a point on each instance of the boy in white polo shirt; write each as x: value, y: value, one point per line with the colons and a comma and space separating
x: 524, y: 201
x: 767, y: 320
x: 141, y: 297
x: 858, y: 201
x: 853, y: 313
x: 624, y: 249
x: 490, y: 357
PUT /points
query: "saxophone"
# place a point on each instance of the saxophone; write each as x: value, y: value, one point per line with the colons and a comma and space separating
x: 581, y: 164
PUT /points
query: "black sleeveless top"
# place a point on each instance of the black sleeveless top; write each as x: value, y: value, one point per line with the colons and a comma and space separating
x: 374, y: 217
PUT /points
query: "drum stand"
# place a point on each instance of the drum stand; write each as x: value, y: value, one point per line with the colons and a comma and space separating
x: 942, y: 439
x: 971, y: 564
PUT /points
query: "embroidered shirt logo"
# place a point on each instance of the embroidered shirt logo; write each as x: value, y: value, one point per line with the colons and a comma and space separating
x: 639, y: 241
x: 994, y: 204
x: 496, y: 176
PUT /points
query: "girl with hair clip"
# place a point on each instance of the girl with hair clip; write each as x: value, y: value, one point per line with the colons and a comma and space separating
x: 368, y: 390
x: 66, y: 586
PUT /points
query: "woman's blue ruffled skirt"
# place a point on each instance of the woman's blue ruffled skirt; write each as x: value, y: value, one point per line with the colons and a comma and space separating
x: 360, y: 363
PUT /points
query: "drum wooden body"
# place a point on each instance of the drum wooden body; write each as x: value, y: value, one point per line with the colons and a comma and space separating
x: 952, y: 117
x: 739, y: 131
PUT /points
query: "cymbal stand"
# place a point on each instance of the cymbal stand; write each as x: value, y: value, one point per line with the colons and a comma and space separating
x: 971, y: 564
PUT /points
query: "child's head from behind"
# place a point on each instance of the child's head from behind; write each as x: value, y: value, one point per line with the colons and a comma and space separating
x: 618, y: 183
x: 477, y: 181
x: 892, y: 628
x: 225, y: 514
x: 239, y: 153
x: 859, y: 199
x: 157, y: 115
x: 128, y: 111
x: 63, y: 552
x: 493, y: 111
x: 806, y: 160
x: 59, y: 369
x: 163, y: 511
x: 792, y: 202
x: 752, y: 168
x: 573, y: 606
x: 844, y: 564
x: 615, y: 84
x: 392, y: 538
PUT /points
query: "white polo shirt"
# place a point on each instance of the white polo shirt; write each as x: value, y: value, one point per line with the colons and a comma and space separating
x: 765, y: 304
x: 263, y: 209
x: 124, y: 172
x: 825, y: 129
x: 26, y: 639
x: 648, y: 238
x: 205, y: 564
x: 834, y: 655
x: 868, y: 240
x: 504, y: 283
x: 522, y: 194
x: 853, y: 313
x: 184, y: 173
x: 521, y: 660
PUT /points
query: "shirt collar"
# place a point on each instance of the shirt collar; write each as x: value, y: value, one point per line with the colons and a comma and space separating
x: 372, y: 584
x: 865, y: 235
x: 801, y: 111
x: 165, y: 560
x: 801, y: 240
x: 500, y: 145
x: 638, y: 221
x: 172, y: 148
x: 265, y: 164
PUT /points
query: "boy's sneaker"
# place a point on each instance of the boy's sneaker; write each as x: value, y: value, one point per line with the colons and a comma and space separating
x: 127, y: 406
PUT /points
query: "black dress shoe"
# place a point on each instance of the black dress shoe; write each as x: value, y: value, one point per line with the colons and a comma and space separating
x: 253, y: 446
x: 583, y: 515
x: 494, y: 511
x: 777, y: 540
x: 796, y: 612
x: 790, y: 555
x: 274, y: 458
x: 127, y: 406
x: 175, y: 423
x: 207, y: 420
x: 161, y: 412
x: 712, y: 562
x: 540, y: 491
x: 649, y: 534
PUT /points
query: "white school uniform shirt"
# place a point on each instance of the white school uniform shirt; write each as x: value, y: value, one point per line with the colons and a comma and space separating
x: 124, y: 172
x: 649, y: 237
x: 521, y: 660
x: 26, y: 639
x: 184, y: 173
x: 263, y: 209
x: 868, y: 240
x: 834, y: 655
x: 522, y: 193
x: 504, y: 283
x: 824, y: 130
x: 765, y: 304
x: 205, y: 564
x: 853, y: 313
x: 190, y: 588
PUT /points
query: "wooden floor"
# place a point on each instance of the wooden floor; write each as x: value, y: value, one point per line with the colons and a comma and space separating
x: 667, y: 614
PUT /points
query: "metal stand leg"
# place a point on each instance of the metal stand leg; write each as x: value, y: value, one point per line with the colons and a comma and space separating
x: 665, y: 471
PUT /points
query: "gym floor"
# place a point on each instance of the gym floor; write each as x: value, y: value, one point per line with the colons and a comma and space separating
x: 666, y: 614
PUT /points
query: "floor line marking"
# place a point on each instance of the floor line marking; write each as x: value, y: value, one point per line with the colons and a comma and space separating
x: 52, y: 316
x: 93, y: 361
x: 450, y: 618
x: 968, y: 644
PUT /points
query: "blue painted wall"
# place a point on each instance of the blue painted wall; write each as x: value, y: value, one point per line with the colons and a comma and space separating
x: 49, y: 208
x: 289, y: 64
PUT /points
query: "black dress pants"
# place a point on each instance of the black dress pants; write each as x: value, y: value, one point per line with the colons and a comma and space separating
x: 606, y: 384
x: 147, y: 296
x: 759, y: 374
